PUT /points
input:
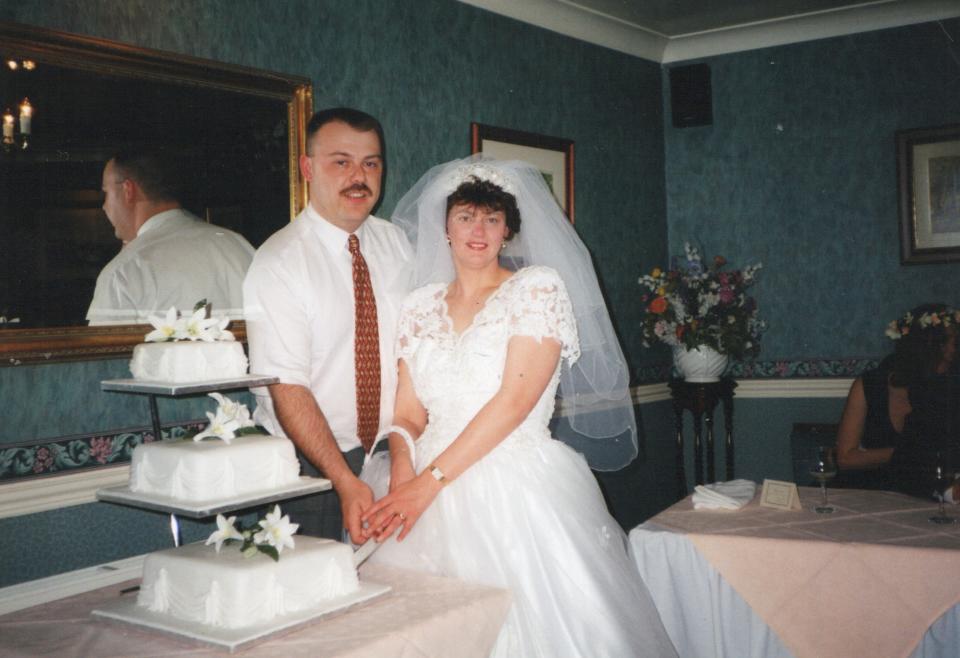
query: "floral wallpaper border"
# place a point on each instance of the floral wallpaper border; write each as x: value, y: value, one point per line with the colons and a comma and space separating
x: 81, y: 452
x: 852, y: 367
x: 87, y: 451
x: 774, y: 369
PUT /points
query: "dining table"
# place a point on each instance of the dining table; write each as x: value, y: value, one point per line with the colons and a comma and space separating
x: 873, y: 578
x: 421, y: 616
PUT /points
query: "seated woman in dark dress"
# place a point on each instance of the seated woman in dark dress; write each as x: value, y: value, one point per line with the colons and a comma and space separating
x: 901, y: 418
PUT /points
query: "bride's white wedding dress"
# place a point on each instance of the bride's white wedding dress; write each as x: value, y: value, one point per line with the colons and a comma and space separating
x: 529, y: 516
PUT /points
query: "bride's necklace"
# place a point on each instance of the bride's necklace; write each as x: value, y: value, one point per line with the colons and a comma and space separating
x: 476, y: 299
x: 462, y: 308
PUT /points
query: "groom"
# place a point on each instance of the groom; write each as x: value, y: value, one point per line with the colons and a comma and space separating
x: 312, y: 322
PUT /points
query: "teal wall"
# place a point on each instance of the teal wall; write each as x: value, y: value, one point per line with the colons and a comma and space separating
x: 426, y: 68
x: 46, y: 401
x: 798, y: 171
x: 815, y: 200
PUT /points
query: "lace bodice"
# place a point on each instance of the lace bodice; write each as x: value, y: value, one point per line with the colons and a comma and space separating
x: 454, y: 375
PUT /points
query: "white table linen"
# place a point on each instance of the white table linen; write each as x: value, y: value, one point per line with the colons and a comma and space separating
x: 714, y: 578
x: 423, y: 616
x: 706, y: 618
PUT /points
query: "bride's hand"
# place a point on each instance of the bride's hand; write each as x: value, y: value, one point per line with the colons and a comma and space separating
x: 401, y: 507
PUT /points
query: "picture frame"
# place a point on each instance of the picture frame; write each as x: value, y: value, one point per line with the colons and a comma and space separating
x: 553, y: 156
x: 928, y: 173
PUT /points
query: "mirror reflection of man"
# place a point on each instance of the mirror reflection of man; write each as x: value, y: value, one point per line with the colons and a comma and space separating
x: 170, y: 257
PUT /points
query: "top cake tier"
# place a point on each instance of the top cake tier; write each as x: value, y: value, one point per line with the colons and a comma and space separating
x: 188, y: 361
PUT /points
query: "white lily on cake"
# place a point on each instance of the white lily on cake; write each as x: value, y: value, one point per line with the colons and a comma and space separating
x: 198, y: 326
x: 229, y: 417
x: 275, y: 533
x: 277, y: 530
x: 173, y: 326
x: 224, y: 532
x: 165, y: 328
x: 221, y: 426
x: 219, y: 330
x: 236, y: 410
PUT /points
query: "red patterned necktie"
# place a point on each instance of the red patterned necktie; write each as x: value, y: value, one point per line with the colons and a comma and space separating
x: 366, y: 349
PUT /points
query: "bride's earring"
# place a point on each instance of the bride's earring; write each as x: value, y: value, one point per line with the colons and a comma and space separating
x: 448, y: 239
x: 503, y: 245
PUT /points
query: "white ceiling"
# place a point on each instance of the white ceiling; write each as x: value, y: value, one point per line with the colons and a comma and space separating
x: 675, y: 30
x: 675, y: 18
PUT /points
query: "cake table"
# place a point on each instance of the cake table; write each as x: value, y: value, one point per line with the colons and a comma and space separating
x: 424, y: 616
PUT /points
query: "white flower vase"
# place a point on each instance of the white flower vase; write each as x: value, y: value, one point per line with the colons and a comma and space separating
x: 701, y: 365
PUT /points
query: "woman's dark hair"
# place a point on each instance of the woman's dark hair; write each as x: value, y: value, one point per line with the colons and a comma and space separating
x: 919, y: 349
x: 481, y: 193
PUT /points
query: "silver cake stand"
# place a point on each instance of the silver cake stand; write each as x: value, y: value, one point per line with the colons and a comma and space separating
x: 128, y: 611
x: 171, y: 389
x: 122, y: 495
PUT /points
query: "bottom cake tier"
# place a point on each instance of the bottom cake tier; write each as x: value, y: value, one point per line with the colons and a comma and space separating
x: 195, y: 583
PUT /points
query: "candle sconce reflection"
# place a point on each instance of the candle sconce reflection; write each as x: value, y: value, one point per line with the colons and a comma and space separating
x: 13, y: 139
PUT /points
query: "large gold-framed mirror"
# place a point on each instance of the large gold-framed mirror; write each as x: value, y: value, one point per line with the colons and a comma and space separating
x: 89, y: 98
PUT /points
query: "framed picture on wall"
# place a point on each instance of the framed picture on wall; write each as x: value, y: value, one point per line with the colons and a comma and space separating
x: 553, y: 156
x: 928, y: 172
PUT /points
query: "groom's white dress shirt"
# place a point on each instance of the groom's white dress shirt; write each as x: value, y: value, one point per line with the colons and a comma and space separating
x: 299, y: 308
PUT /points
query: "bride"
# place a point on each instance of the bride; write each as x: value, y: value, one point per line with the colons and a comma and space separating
x: 478, y: 487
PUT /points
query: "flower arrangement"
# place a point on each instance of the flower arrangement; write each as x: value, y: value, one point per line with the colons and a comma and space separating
x: 197, y: 326
x: 230, y: 419
x: 900, y: 327
x: 269, y: 536
x: 692, y: 305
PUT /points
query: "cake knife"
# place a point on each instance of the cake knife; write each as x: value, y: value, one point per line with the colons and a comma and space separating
x: 366, y: 550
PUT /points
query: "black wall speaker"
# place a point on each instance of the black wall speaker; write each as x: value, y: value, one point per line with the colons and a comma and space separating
x: 691, y: 99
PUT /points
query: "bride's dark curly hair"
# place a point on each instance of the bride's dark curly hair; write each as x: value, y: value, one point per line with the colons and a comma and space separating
x: 481, y: 193
x: 919, y: 348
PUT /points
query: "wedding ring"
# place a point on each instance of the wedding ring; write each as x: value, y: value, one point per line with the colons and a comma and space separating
x: 403, y: 517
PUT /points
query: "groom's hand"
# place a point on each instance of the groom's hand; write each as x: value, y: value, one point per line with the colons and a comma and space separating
x: 355, y: 498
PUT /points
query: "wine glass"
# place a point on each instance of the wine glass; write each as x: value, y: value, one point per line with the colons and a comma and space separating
x: 823, y: 468
x: 941, y: 482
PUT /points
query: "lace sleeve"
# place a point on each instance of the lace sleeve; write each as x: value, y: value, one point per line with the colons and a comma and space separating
x: 541, y: 309
x: 416, y: 313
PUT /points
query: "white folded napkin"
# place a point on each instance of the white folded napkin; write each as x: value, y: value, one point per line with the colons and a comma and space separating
x: 724, y: 495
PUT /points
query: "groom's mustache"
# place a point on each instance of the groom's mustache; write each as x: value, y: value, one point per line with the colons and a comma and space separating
x: 357, y: 187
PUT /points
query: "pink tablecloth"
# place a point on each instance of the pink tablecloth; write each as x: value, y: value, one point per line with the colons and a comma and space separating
x: 422, y: 616
x: 867, y: 580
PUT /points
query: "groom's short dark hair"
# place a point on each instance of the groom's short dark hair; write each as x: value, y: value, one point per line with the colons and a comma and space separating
x: 356, y: 119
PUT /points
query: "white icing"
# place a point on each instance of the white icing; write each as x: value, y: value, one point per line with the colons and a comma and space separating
x: 198, y: 471
x: 195, y: 583
x: 188, y: 361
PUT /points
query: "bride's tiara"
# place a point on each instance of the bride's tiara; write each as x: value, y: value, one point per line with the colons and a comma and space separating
x: 478, y: 171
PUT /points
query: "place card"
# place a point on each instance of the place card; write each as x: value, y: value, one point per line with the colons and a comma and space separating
x: 778, y: 494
